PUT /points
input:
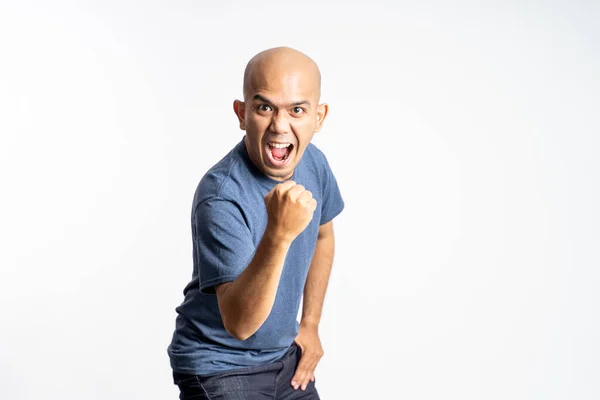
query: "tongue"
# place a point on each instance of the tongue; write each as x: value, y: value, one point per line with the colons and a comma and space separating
x: 278, y: 153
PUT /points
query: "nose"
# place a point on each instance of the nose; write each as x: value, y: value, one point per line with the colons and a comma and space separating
x: 279, y: 123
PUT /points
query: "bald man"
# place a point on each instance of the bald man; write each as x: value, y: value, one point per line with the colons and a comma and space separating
x: 262, y: 230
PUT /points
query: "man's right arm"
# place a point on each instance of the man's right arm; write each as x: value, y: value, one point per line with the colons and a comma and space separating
x: 246, y: 302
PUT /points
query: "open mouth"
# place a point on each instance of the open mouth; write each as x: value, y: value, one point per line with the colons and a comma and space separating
x: 279, y: 153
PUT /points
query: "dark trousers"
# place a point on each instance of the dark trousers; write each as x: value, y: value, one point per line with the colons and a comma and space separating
x: 266, y: 382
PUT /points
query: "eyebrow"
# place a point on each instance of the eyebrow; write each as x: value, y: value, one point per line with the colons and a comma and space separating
x: 297, y: 103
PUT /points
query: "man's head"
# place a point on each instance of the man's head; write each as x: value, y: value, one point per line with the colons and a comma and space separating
x: 282, y: 89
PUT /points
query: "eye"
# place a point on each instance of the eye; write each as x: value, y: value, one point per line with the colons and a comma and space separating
x: 264, y: 108
x: 297, y: 110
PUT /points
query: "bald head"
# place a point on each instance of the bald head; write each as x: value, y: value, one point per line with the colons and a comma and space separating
x: 282, y: 89
x: 278, y: 64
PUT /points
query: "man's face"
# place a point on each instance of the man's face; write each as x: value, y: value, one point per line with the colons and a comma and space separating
x: 280, y: 116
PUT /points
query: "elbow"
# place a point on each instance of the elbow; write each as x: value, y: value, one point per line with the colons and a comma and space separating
x: 235, y: 327
x: 230, y: 321
x: 242, y: 337
x: 236, y: 320
x: 237, y: 333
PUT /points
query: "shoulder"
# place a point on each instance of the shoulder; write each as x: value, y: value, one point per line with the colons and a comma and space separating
x: 221, y: 180
x: 315, y: 154
x: 317, y: 163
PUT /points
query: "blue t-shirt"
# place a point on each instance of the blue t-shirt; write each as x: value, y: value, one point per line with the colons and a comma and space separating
x: 228, y: 220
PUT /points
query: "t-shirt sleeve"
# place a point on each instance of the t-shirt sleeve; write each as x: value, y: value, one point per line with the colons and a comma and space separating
x: 223, y: 243
x: 333, y: 204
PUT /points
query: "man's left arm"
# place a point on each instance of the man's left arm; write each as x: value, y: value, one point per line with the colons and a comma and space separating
x: 312, y: 306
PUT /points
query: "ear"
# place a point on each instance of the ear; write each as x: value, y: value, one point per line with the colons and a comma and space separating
x: 239, y: 107
x: 322, y: 110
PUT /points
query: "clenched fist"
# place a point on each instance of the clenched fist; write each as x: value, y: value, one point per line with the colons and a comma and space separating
x: 290, y: 209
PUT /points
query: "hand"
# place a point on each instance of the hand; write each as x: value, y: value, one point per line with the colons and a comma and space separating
x: 290, y: 208
x: 312, y: 351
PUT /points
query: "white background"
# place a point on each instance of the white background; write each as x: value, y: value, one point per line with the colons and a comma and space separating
x: 464, y: 137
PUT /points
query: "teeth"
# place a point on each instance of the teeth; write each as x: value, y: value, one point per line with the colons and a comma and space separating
x: 279, y: 145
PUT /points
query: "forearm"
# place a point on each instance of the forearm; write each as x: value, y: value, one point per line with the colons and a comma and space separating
x: 246, y: 303
x: 317, y: 281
